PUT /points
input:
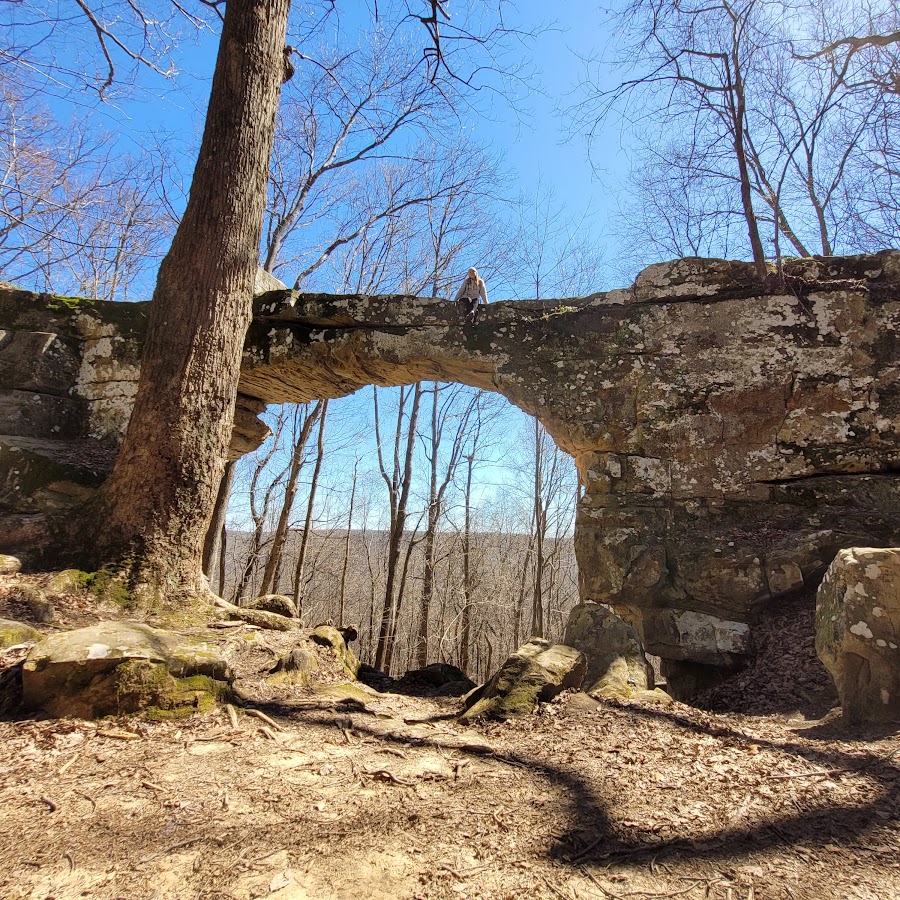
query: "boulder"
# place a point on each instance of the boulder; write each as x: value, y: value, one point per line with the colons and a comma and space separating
x: 535, y: 673
x: 858, y: 632
x: 12, y: 633
x: 616, y: 664
x: 329, y: 636
x: 123, y: 667
x: 280, y: 604
x: 295, y: 667
x: 9, y: 565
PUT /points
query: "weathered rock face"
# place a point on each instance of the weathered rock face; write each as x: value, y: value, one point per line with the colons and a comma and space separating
x: 858, y: 632
x: 616, y: 665
x: 118, y: 667
x: 731, y: 436
x: 535, y: 673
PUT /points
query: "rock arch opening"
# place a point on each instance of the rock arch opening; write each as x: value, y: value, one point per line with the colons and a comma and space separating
x: 730, y: 435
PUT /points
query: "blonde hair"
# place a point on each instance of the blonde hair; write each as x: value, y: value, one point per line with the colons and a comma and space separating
x: 473, y: 274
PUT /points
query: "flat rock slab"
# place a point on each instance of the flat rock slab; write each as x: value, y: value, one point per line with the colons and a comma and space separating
x: 118, y: 667
x: 858, y: 632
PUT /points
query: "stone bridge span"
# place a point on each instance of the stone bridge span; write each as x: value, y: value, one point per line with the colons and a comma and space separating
x: 730, y: 436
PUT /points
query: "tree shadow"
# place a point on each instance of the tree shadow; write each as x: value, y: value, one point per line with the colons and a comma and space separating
x: 596, y: 839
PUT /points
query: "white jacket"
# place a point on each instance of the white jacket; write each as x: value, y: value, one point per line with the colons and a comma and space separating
x: 472, y: 290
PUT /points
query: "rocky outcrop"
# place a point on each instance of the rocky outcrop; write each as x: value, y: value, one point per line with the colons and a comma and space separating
x: 858, y: 632
x: 331, y: 637
x: 731, y: 435
x: 122, y: 667
x: 535, y: 673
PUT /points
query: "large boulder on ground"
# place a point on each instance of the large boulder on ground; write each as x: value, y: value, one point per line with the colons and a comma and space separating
x: 535, y: 673
x: 858, y: 632
x: 329, y: 636
x: 280, y: 604
x: 12, y: 633
x: 616, y: 664
x: 123, y: 667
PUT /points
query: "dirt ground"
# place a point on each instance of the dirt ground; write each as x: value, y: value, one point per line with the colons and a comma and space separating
x: 391, y: 798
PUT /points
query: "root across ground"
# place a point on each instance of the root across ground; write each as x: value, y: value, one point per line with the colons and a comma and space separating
x: 392, y: 798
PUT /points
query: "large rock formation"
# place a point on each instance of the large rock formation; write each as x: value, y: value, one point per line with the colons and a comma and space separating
x: 731, y: 435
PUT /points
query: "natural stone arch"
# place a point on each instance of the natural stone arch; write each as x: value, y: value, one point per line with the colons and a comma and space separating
x: 718, y: 424
x: 730, y: 435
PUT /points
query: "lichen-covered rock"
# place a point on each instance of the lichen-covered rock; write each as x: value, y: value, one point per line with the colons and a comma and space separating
x: 535, y: 673
x: 329, y: 636
x: 68, y: 581
x: 12, y: 633
x: 123, y: 667
x: 858, y: 632
x: 616, y: 664
x: 9, y: 565
x: 280, y: 604
x: 720, y: 422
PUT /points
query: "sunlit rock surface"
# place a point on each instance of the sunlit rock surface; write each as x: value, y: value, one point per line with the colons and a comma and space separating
x: 731, y: 435
x: 858, y: 632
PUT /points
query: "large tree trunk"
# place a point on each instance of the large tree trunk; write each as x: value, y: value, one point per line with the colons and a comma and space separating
x: 156, y: 505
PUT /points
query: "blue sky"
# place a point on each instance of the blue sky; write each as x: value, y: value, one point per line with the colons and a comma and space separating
x: 529, y: 129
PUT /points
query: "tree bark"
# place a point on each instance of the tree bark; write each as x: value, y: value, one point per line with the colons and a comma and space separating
x: 155, y: 508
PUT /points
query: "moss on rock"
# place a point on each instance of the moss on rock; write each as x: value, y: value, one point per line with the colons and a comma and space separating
x: 12, y: 633
x: 123, y: 667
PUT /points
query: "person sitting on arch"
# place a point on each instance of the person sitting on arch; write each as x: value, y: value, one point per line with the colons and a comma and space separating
x: 471, y: 292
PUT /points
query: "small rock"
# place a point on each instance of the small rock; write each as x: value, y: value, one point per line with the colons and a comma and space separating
x: 9, y: 565
x: 12, y: 633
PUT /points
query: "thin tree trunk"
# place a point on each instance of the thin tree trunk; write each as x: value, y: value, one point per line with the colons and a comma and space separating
x: 343, y: 592
x: 273, y: 563
x: 153, y: 513
x: 307, y: 525
x: 466, y: 616
x: 737, y: 98
x: 212, y: 545
x: 402, y: 480
x: 430, y: 533
x: 537, y: 606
